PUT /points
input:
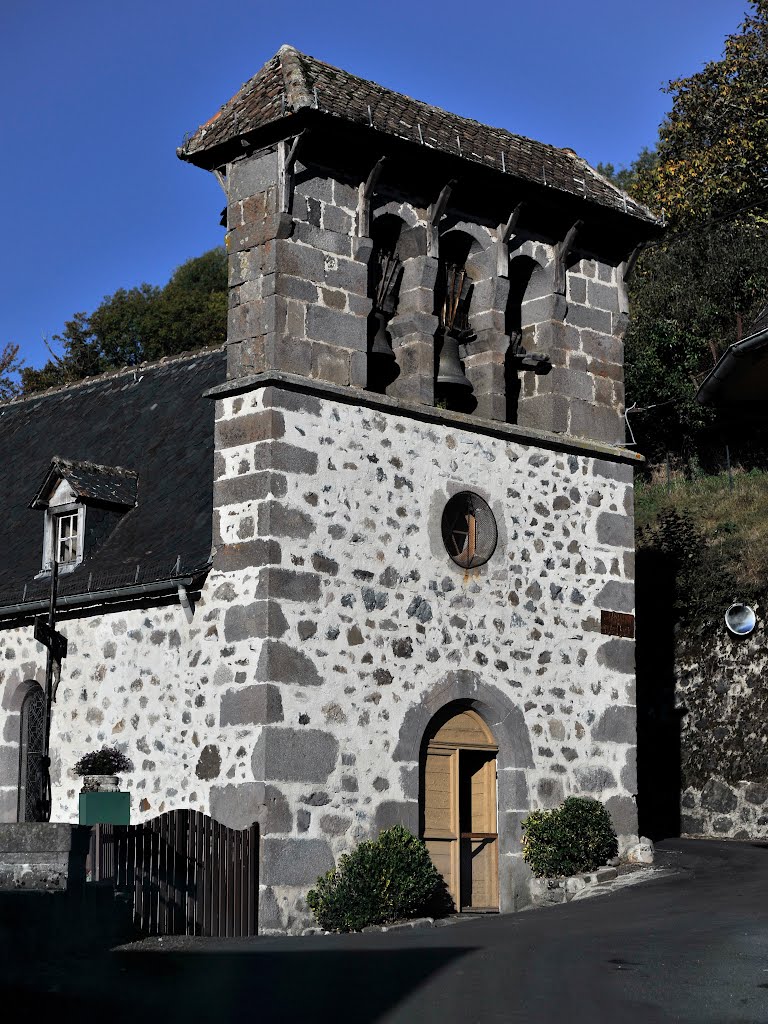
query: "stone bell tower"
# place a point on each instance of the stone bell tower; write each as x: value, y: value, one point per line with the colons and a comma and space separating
x: 426, y: 315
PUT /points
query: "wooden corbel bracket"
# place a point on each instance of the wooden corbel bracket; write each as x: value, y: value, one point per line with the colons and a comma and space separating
x: 286, y: 158
x: 435, y: 214
x: 625, y: 271
x: 505, y: 234
x: 366, y: 192
x: 562, y: 252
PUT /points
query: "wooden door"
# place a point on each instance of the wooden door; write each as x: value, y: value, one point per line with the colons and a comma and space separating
x: 441, y: 815
x: 459, y: 809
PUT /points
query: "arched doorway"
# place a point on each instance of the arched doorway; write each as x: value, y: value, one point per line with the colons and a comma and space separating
x: 31, y: 742
x: 458, y: 806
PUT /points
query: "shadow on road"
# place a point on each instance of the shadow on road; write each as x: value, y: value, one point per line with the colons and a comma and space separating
x: 316, y: 985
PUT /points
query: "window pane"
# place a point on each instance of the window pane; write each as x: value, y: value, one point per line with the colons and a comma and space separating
x: 66, y: 546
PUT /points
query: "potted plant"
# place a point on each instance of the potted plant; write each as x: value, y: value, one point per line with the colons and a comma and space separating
x: 101, y: 801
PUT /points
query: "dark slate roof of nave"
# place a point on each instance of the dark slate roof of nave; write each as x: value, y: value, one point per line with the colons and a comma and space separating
x: 151, y: 419
x: 292, y: 81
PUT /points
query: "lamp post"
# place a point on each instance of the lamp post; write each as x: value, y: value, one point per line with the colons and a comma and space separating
x: 56, y: 646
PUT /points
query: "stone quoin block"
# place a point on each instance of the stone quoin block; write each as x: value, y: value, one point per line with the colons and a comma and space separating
x: 249, y: 487
x: 616, y: 725
x: 284, y: 664
x: 617, y: 653
x: 239, y: 805
x: 258, y: 426
x: 283, y: 458
x: 288, y: 585
x: 295, y: 755
x: 233, y: 557
x: 615, y: 530
x: 617, y: 597
x: 260, y: 619
x: 277, y: 520
x: 257, y: 704
x: 397, y: 812
x: 623, y: 812
x: 296, y: 862
x: 594, y: 779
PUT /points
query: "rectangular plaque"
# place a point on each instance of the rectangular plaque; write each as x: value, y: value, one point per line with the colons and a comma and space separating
x: 617, y: 624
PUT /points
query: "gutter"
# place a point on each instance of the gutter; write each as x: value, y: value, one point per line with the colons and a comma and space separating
x: 726, y: 365
x: 26, y: 609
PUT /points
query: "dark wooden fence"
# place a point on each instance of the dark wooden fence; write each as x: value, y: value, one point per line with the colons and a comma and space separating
x: 188, y: 874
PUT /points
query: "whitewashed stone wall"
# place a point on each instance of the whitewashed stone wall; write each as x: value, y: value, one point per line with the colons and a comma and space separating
x: 334, y: 625
x: 364, y: 618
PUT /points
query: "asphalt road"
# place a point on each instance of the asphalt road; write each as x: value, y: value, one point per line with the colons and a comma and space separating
x: 689, y: 947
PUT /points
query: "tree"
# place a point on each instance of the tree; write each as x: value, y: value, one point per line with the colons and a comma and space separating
x: 10, y: 365
x: 143, y: 323
x: 713, y: 145
x: 709, y: 177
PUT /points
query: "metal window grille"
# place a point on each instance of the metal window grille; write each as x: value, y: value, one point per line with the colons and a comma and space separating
x: 469, y: 530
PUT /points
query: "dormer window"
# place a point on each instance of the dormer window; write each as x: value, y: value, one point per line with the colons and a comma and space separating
x: 64, y: 529
x: 70, y: 492
x: 67, y: 535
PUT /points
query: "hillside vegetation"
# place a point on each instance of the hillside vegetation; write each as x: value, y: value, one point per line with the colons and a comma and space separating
x: 709, y: 540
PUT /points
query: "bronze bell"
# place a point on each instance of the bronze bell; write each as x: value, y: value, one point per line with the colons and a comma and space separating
x: 449, y: 369
x: 382, y: 346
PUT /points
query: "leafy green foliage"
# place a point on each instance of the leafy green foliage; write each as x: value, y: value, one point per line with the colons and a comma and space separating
x: 577, y: 836
x: 702, y: 286
x: 713, y: 144
x: 10, y: 365
x: 709, y: 538
x: 144, y: 323
x: 383, y: 880
x: 107, y: 761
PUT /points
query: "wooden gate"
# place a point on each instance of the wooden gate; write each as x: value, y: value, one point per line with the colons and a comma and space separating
x: 187, y: 874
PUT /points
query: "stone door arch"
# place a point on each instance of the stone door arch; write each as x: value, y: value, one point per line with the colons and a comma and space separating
x: 31, y: 742
x: 458, y: 812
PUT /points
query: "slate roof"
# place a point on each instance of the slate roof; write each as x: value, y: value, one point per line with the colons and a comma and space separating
x: 106, y: 485
x: 153, y: 421
x: 292, y: 81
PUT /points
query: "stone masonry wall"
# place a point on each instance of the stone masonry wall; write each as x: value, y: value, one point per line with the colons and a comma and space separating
x: 333, y: 625
x: 299, y: 302
x: 721, y: 694
x: 360, y: 621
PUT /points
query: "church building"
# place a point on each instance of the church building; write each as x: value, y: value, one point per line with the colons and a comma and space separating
x: 372, y: 561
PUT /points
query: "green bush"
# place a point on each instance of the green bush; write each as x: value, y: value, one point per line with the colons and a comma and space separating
x: 107, y: 761
x: 577, y: 836
x: 383, y: 880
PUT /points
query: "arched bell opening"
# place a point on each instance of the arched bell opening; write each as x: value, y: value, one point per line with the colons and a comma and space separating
x: 528, y: 288
x: 385, y: 273
x: 458, y: 806
x: 453, y: 299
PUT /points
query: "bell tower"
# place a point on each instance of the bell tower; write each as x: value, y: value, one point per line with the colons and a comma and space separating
x: 425, y: 314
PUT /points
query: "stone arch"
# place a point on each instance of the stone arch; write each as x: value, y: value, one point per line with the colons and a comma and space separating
x: 503, y: 717
x: 404, y: 211
x: 385, y: 276
x: 531, y: 302
x: 12, y: 752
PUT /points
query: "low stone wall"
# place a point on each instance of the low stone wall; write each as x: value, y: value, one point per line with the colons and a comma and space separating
x: 723, y: 706
x: 728, y: 810
x: 43, y: 856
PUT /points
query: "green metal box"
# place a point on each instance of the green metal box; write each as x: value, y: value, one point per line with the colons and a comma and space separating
x: 105, y: 808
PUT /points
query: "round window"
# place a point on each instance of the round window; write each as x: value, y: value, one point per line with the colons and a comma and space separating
x: 469, y: 530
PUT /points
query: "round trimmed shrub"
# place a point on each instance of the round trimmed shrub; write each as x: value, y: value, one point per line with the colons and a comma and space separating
x: 577, y: 836
x: 382, y: 880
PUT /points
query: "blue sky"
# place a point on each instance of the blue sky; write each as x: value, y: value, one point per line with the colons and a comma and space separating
x: 97, y: 95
